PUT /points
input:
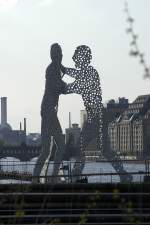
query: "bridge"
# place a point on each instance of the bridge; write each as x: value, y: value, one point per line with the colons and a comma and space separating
x: 23, y: 153
x: 15, y: 175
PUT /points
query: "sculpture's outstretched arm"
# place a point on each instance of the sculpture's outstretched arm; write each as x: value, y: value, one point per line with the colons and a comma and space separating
x: 74, y: 88
x: 71, y: 72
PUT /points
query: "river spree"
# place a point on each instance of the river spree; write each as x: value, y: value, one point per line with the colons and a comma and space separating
x: 13, y: 164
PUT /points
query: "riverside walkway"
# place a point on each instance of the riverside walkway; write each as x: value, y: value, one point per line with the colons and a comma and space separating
x: 79, y: 203
x: 75, y: 204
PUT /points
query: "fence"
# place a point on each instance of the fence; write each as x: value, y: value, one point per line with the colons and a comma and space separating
x: 94, y: 172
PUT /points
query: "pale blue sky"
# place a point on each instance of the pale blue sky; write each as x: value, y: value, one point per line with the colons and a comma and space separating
x: 29, y: 27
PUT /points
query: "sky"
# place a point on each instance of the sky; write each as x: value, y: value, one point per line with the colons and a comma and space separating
x: 29, y: 27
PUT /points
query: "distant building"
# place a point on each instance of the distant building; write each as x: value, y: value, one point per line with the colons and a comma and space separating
x: 33, y: 139
x: 129, y: 133
x: 83, y: 117
x: 113, y: 109
x: 7, y: 135
x: 74, y: 131
x: 72, y: 140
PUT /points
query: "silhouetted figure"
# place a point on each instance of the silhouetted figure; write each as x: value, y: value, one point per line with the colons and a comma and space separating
x: 87, y: 84
x: 51, y: 132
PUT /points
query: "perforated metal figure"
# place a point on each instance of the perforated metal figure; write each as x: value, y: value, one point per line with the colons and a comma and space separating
x: 87, y: 84
x: 51, y: 132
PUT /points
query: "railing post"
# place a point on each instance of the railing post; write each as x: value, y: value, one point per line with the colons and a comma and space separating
x: 70, y: 175
x: 147, y: 167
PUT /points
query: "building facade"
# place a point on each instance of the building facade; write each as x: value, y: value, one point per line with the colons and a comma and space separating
x: 83, y: 117
x: 129, y: 133
x: 74, y: 131
x: 72, y: 139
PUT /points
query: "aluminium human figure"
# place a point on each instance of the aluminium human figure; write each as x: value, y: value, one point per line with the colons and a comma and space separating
x: 87, y: 84
x: 51, y: 132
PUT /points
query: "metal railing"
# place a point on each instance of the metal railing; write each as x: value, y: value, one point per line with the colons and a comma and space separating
x: 94, y: 172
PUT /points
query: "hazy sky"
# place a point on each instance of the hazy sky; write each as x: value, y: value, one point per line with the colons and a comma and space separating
x: 29, y: 27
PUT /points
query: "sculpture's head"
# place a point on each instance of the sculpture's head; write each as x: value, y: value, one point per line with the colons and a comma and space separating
x: 56, y: 53
x: 82, y: 56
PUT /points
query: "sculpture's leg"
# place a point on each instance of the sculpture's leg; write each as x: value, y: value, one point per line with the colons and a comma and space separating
x: 117, y: 164
x: 44, y: 170
x: 112, y: 155
x: 78, y: 166
x: 88, y: 133
x: 45, y: 141
x: 60, y: 144
x: 90, y: 130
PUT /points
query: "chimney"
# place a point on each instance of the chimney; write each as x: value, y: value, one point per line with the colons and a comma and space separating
x: 69, y: 119
x: 75, y: 125
x: 3, y: 111
x: 25, y: 126
x: 20, y: 126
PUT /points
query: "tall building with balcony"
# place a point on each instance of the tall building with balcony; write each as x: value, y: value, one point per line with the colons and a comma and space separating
x: 129, y: 133
x: 112, y: 111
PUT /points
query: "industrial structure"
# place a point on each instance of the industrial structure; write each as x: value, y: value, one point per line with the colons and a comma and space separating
x: 72, y: 139
x: 8, y: 136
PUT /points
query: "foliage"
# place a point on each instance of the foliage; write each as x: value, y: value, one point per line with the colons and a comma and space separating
x: 135, y: 50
